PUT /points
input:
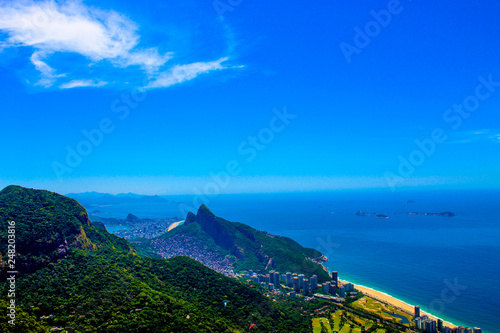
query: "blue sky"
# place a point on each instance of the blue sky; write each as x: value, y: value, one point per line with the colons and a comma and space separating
x: 237, y: 96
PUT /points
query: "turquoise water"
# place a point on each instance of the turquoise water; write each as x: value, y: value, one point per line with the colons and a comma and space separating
x: 447, y: 265
x: 115, y: 228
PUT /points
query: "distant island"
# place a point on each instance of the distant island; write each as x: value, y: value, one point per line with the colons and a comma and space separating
x: 378, y: 216
x: 383, y: 216
x: 449, y: 214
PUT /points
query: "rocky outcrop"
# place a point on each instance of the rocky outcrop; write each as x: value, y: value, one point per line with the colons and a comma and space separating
x: 210, y: 224
x: 131, y: 218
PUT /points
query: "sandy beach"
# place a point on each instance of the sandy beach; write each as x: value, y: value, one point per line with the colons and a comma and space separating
x: 383, y: 297
x: 173, y: 225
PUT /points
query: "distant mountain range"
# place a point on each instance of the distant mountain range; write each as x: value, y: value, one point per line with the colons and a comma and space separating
x: 88, y: 199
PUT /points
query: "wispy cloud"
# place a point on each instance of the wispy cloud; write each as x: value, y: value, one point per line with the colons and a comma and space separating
x: 101, y: 36
x: 48, y: 74
x: 484, y: 135
x: 181, y: 73
x: 82, y: 83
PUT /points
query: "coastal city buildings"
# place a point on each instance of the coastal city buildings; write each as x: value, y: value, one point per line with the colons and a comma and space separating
x: 274, y: 277
x: 417, y: 312
x: 429, y: 325
x: 273, y: 281
x: 277, y: 278
x: 301, y: 281
x: 306, y: 286
x: 314, y: 282
x: 276, y: 282
x: 296, y: 284
x: 341, y: 291
x: 348, y: 287
x: 426, y: 324
x: 332, y: 288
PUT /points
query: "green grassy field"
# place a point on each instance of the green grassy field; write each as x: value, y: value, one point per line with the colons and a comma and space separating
x: 343, y: 321
x: 336, y: 320
x: 380, y: 309
x: 346, y: 329
x: 319, y: 323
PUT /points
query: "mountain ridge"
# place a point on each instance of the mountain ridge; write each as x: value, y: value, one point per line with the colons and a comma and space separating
x: 97, y: 198
x: 247, y: 248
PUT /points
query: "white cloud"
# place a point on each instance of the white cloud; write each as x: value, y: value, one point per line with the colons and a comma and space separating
x: 70, y: 27
x: 82, y: 83
x: 48, y: 73
x: 484, y: 135
x: 181, y: 73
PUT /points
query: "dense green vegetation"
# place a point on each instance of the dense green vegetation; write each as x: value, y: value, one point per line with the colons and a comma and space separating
x: 143, y: 247
x: 24, y: 322
x: 99, y: 284
x: 126, y: 293
x: 45, y: 222
x: 250, y: 248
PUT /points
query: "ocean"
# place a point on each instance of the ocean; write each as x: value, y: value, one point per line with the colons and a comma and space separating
x: 447, y: 265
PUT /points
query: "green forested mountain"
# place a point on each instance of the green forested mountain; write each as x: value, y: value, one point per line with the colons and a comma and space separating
x: 84, y: 279
x: 247, y: 247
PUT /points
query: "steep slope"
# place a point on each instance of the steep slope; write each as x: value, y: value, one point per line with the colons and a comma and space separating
x: 208, y: 238
x: 104, y: 286
x: 46, y: 225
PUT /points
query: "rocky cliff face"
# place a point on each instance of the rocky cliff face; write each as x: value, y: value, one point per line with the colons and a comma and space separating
x: 213, y: 227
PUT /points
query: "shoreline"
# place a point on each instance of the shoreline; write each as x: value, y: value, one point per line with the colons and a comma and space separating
x: 174, y: 225
x: 386, y: 298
